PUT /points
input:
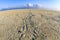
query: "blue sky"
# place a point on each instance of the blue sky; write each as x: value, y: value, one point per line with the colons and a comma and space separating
x: 52, y: 4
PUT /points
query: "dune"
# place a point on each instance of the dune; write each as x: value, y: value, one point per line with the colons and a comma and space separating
x: 29, y: 24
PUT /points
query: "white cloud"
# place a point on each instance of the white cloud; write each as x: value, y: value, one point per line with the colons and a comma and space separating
x: 30, y: 4
x: 40, y: 5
